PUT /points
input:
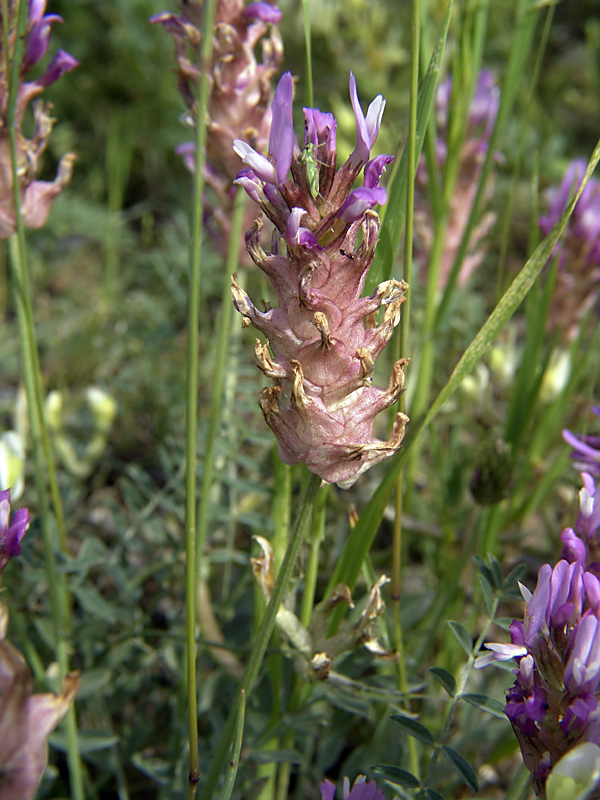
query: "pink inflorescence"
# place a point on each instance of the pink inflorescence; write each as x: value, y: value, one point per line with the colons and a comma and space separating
x: 577, y: 287
x: 323, y: 339
x: 36, y: 196
x: 240, y: 90
x: 479, y: 126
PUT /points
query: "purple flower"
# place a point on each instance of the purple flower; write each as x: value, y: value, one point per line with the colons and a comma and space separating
x: 367, y: 128
x: 319, y: 351
x: 586, y: 450
x: 11, y: 533
x: 361, y: 790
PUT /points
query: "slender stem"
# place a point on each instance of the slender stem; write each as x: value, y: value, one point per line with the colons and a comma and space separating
x: 265, y: 630
x: 308, y: 48
x: 192, y: 391
x: 404, y: 347
x: 218, y: 378
x: 317, y: 534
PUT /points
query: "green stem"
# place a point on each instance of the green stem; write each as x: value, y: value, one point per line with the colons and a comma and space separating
x: 308, y: 47
x: 266, y: 628
x: 317, y: 535
x: 191, y: 574
x: 218, y: 379
x: 462, y: 682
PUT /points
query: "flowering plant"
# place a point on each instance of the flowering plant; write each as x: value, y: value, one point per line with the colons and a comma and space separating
x: 324, y: 337
x: 36, y: 196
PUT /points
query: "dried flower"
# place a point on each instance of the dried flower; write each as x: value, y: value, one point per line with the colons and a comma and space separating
x: 26, y: 721
x: 479, y: 126
x: 577, y: 286
x: 36, y: 196
x: 361, y: 790
x: 323, y: 339
x: 11, y: 532
x: 240, y: 89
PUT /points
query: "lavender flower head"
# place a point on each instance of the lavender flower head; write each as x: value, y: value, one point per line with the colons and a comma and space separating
x: 577, y: 287
x: 36, y: 196
x: 553, y: 704
x: 361, y: 790
x: 323, y: 338
x: 479, y: 125
x: 11, y: 531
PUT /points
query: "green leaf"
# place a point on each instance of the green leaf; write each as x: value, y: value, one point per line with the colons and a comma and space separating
x: 361, y: 536
x: 88, y: 741
x: 511, y: 580
x: 92, y: 681
x: 445, y: 678
x: 496, y: 570
x: 463, y: 637
x: 393, y: 212
x: 487, y: 704
x: 414, y: 728
x: 398, y: 775
x: 462, y: 766
x: 94, y: 604
x: 433, y: 795
x: 487, y: 592
x: 484, y: 569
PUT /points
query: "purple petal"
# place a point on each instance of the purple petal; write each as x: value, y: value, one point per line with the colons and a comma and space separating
x: 320, y: 128
x: 574, y: 548
x: 61, y: 63
x: 374, y: 170
x: 361, y: 200
x: 327, y: 789
x: 297, y: 235
x: 18, y: 527
x: 38, y: 41
x: 535, y: 614
x: 253, y: 186
x: 35, y: 12
x: 281, y: 137
x: 260, y: 164
x: 367, y: 128
x: 265, y: 12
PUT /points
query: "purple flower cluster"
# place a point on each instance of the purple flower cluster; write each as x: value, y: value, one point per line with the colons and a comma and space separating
x: 361, y: 790
x: 577, y: 287
x: 36, y: 196
x: 479, y: 125
x: 324, y: 337
x: 553, y: 704
x: 11, y: 532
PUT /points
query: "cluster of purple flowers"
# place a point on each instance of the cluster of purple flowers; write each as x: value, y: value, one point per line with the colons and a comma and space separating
x: 361, y: 790
x: 553, y: 704
x: 323, y: 337
x: 36, y: 196
x: 11, y: 531
x: 577, y: 287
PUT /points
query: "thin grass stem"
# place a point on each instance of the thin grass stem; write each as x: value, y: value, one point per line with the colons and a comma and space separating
x: 191, y: 577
